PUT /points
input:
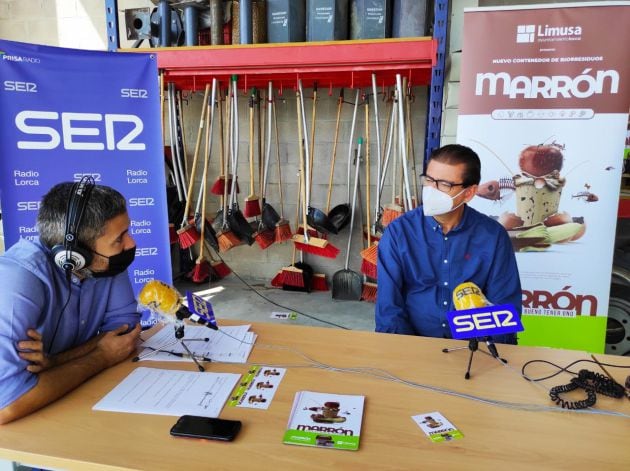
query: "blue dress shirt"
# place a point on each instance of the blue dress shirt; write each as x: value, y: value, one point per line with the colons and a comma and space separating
x: 33, y: 292
x: 419, y: 266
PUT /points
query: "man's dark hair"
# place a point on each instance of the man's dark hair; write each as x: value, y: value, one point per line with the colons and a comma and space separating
x: 104, y: 204
x: 453, y: 154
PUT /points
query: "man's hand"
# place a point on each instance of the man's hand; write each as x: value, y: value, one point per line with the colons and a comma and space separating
x: 116, y: 346
x: 35, y: 354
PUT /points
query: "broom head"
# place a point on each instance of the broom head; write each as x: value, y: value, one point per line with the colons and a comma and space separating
x: 201, y: 272
x: 292, y: 277
x: 315, y: 246
x: 283, y: 231
x: 368, y: 268
x: 221, y: 269
x: 187, y: 236
x: 369, y: 292
x: 218, y: 187
x: 390, y: 213
x: 252, y: 206
x: 370, y: 254
x: 227, y: 240
x: 320, y: 283
x: 278, y: 280
x: 264, y: 238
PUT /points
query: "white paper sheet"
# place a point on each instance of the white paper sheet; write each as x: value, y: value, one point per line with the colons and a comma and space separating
x: 170, y: 392
x: 219, y: 347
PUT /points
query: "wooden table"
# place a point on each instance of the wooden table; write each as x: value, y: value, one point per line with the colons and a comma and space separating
x: 69, y: 435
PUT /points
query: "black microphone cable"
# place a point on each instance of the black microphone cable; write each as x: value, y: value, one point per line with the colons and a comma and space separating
x: 280, y: 305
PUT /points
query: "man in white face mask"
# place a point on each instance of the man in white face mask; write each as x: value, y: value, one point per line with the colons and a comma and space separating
x: 424, y: 254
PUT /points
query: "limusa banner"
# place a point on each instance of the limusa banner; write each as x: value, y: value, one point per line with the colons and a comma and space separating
x: 545, y: 93
x: 67, y: 113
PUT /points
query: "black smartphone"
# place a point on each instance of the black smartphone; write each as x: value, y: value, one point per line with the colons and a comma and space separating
x: 193, y: 426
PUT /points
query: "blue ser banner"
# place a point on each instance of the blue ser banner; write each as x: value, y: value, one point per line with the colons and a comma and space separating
x: 67, y: 113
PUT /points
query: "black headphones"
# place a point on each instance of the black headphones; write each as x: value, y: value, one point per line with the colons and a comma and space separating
x: 69, y: 255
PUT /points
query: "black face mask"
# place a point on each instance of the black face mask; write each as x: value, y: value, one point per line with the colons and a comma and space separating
x: 117, y: 263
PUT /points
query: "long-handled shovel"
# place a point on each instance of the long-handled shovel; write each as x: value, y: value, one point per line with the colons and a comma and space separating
x: 347, y: 283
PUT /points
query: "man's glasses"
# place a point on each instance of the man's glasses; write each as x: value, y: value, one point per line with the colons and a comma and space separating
x: 442, y: 185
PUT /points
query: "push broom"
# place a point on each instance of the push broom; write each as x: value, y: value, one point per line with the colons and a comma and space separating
x: 304, y: 242
x: 187, y: 233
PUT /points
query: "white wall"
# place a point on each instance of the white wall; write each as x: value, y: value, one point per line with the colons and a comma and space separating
x: 67, y: 23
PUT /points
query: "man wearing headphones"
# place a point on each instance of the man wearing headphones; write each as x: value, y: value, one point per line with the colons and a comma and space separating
x: 67, y: 309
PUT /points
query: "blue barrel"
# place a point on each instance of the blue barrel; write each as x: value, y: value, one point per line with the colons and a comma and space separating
x: 409, y: 18
x: 370, y: 19
x: 286, y: 21
x: 326, y: 20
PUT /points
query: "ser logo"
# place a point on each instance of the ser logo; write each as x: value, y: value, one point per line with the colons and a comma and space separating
x: 146, y: 251
x: 484, y: 321
x: 17, y: 86
x: 28, y: 205
x: 134, y: 93
x: 96, y: 176
x: 141, y: 202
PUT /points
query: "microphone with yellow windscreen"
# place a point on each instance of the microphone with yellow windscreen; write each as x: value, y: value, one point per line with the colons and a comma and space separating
x: 468, y: 295
x: 160, y: 298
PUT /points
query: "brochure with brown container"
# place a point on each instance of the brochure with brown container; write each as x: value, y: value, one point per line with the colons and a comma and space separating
x: 325, y: 420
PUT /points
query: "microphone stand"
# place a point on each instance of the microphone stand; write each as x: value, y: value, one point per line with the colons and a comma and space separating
x: 473, y: 346
x: 179, y: 338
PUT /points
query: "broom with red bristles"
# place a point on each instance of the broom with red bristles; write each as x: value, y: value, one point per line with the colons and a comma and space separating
x: 293, y: 277
x: 368, y: 256
x: 282, y: 230
x: 252, y: 202
x: 219, y: 267
x: 320, y: 282
x: 187, y: 233
x: 202, y: 271
x: 369, y: 292
x: 304, y: 242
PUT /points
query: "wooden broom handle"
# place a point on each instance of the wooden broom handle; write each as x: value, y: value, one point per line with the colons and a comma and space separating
x: 275, y: 125
x: 197, y: 146
x: 334, y: 152
x: 367, y: 170
x: 312, y: 143
x: 251, y: 144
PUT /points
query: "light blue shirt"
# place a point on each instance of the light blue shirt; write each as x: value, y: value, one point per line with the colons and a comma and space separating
x: 419, y: 267
x: 33, y: 291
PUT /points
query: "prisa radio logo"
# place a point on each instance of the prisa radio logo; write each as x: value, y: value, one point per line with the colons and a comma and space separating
x: 585, y: 85
x: 9, y: 57
x: 562, y: 303
x: 547, y: 33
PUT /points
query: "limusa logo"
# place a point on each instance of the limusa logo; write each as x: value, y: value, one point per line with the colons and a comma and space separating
x: 547, y: 33
x: 8, y: 57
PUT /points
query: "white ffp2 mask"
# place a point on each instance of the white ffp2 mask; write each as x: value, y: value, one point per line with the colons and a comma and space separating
x: 436, y: 202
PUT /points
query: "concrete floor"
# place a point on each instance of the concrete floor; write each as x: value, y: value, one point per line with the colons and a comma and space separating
x: 232, y: 299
